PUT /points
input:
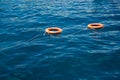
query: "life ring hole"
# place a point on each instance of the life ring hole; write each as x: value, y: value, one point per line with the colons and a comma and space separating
x: 95, y: 25
x: 53, y: 30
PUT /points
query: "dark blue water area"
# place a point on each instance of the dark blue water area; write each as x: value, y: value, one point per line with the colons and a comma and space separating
x: 79, y: 53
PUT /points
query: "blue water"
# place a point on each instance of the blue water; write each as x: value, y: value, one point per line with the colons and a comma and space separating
x: 27, y: 53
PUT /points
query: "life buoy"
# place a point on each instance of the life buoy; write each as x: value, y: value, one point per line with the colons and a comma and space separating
x: 95, y: 26
x: 53, y: 30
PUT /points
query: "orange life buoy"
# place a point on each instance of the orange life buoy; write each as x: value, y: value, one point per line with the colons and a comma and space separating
x: 95, y: 26
x: 53, y: 30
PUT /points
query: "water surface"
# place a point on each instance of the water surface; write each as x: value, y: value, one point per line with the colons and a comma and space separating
x: 27, y: 53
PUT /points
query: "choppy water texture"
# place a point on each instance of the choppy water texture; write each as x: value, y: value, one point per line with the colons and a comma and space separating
x: 26, y: 53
